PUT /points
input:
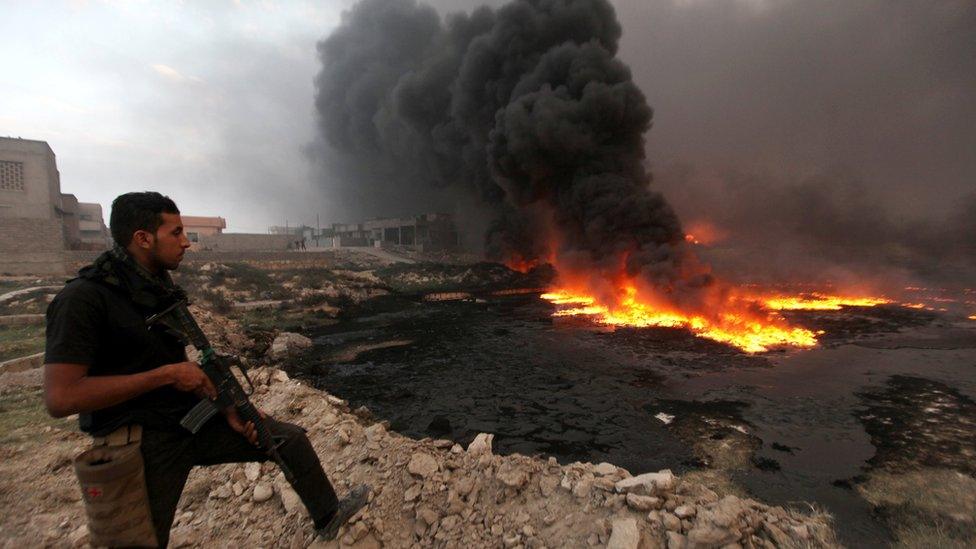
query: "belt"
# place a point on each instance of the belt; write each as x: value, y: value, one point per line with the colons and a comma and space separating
x: 120, y: 437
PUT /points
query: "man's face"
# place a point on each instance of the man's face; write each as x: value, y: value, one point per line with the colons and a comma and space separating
x: 170, y: 242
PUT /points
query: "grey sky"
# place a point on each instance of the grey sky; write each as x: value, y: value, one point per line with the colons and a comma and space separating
x: 212, y: 102
x: 209, y: 102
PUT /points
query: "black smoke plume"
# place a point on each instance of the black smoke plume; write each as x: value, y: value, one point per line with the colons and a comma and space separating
x: 526, y: 107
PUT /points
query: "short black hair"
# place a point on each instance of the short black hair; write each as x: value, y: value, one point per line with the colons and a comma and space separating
x: 133, y: 212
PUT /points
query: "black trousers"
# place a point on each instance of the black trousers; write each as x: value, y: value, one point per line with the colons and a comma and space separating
x: 169, y: 456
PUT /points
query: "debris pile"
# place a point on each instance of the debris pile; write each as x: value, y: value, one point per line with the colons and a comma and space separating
x: 425, y: 492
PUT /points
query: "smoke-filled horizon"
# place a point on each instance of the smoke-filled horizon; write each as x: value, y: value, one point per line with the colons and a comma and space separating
x: 836, y: 134
x: 823, y: 140
x: 527, y: 108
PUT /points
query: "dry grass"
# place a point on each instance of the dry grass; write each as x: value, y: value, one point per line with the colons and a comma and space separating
x: 926, y: 507
x: 18, y: 341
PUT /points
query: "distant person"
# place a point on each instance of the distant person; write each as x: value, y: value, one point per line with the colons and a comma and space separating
x: 132, y: 385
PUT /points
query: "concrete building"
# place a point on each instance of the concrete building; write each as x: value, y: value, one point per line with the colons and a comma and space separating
x: 426, y: 232
x: 32, y: 230
x: 198, y: 226
x: 37, y: 222
x: 92, y: 232
x: 69, y: 221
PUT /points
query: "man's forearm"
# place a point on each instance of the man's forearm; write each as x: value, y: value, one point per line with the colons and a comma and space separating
x: 89, y: 393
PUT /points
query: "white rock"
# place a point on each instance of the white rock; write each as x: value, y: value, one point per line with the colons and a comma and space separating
x: 582, y: 488
x: 648, y: 483
x: 375, y: 432
x: 685, y: 511
x: 290, y: 500
x: 481, y: 444
x: 671, y: 522
x: 223, y: 491
x: 252, y: 471
x: 423, y: 465
x: 676, y: 541
x: 512, y: 475
x: 625, y: 534
x: 548, y: 485
x: 288, y: 344
x: 450, y: 522
x: 428, y: 515
x: 335, y: 401
x: 604, y: 469
x: 413, y: 492
x: 643, y: 503
x: 709, y: 535
x: 280, y: 376
x: 262, y: 492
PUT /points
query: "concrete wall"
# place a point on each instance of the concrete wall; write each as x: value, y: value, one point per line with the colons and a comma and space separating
x: 42, y: 187
x: 31, y: 246
x: 70, y: 220
x: 32, y: 235
x: 242, y: 242
x: 91, y: 225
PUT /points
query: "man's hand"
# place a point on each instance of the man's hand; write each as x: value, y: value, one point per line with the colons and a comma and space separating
x: 187, y: 376
x: 246, y: 430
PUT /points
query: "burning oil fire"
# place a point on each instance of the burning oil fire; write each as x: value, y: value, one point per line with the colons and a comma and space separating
x: 742, y: 328
x: 522, y: 265
x: 739, y: 325
x: 821, y: 302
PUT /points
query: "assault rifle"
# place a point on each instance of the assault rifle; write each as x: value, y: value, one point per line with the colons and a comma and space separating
x: 229, y: 391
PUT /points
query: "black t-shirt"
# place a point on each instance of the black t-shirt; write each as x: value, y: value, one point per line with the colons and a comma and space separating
x: 99, y: 326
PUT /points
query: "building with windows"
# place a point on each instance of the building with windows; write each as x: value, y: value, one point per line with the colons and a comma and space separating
x: 32, y: 230
x: 37, y: 222
x: 196, y: 227
x: 425, y: 232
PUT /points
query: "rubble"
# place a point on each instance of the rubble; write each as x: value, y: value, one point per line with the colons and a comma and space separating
x: 287, y: 345
x: 425, y: 492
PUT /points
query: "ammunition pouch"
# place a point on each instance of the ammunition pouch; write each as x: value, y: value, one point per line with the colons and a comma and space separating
x: 113, y: 487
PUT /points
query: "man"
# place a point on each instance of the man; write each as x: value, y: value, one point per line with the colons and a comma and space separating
x: 103, y: 363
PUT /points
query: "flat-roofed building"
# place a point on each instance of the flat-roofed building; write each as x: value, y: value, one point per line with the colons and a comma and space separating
x: 196, y: 227
x: 92, y: 233
x: 431, y: 231
x: 32, y: 231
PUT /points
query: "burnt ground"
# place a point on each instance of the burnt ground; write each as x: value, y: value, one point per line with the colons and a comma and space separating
x: 787, y: 426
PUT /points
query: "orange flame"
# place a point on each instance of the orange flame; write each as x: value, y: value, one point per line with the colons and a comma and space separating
x: 742, y: 328
x: 704, y: 232
x: 521, y: 264
x: 821, y: 302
